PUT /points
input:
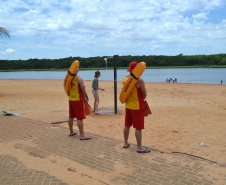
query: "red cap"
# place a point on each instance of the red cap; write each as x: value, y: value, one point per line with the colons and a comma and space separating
x: 132, y: 65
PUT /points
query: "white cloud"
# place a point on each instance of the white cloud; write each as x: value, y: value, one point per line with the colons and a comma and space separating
x: 9, y: 51
x: 200, y: 16
x: 94, y: 28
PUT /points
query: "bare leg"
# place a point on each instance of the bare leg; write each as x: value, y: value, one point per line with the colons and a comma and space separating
x: 126, y: 136
x: 94, y: 105
x: 81, y: 130
x: 96, y: 102
x: 70, y: 124
x: 138, y: 134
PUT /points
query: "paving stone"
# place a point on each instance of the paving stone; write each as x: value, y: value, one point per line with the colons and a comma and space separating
x: 100, y: 154
x: 21, y: 177
x: 131, y: 181
x: 195, y: 181
x: 186, y: 182
x: 154, y: 180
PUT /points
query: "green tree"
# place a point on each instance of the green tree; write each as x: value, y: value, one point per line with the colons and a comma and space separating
x: 4, y: 32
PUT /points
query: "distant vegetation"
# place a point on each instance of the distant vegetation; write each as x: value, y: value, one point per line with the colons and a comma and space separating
x: 218, y: 60
x: 4, y: 32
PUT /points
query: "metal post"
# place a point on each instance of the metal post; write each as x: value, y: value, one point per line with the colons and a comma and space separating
x: 106, y: 62
x: 115, y: 83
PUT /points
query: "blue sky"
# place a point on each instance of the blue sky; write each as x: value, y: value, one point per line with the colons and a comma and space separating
x: 63, y: 28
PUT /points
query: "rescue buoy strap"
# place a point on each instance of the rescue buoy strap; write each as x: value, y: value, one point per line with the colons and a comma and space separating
x: 69, y: 72
x: 134, y: 76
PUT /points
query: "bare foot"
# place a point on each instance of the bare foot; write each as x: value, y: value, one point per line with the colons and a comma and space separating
x: 85, y: 138
x: 126, y: 145
x: 73, y: 134
x: 143, y: 151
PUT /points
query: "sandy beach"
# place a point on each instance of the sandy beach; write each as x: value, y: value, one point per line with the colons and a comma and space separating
x: 184, y: 115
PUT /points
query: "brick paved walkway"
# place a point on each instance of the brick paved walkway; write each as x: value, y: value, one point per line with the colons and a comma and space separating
x: 100, y: 160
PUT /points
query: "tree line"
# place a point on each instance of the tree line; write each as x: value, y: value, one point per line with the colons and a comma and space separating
x: 122, y: 61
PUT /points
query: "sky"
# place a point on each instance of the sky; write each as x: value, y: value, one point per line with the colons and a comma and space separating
x: 53, y: 29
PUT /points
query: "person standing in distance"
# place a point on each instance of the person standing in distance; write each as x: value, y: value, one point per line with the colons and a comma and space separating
x: 95, y: 86
x: 77, y: 99
x: 135, y: 112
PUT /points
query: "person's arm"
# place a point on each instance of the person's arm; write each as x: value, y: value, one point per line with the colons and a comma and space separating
x: 82, y: 86
x: 141, y: 85
x: 100, y: 88
x: 96, y: 86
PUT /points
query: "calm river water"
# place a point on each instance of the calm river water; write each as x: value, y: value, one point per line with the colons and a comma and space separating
x: 183, y: 75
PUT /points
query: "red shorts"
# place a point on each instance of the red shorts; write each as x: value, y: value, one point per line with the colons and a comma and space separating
x: 77, y: 110
x: 135, y: 118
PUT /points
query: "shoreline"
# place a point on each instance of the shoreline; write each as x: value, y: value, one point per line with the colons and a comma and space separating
x: 108, y: 81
